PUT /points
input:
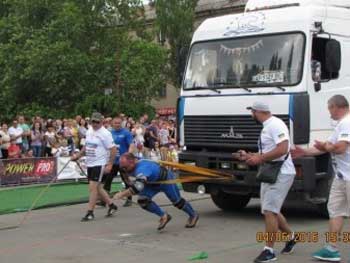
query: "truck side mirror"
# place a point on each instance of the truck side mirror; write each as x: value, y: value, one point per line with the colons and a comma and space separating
x: 333, y: 56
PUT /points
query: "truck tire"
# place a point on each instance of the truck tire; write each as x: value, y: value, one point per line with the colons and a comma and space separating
x: 230, y: 202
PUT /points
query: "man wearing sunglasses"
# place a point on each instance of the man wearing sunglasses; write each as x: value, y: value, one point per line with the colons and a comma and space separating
x: 100, y: 152
x: 148, y: 176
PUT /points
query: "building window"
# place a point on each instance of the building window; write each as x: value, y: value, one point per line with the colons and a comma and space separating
x: 162, y: 92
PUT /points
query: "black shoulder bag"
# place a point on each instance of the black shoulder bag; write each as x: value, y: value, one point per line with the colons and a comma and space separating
x: 268, y: 171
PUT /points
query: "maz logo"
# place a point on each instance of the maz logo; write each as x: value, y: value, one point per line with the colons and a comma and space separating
x: 246, y: 23
x: 232, y: 134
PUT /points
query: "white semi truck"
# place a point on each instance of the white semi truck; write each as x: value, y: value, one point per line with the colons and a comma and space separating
x: 293, y: 55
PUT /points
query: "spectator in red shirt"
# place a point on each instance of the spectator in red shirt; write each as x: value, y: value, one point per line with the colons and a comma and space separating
x: 14, y: 151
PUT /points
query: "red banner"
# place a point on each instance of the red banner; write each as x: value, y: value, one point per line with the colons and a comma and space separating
x: 27, y: 171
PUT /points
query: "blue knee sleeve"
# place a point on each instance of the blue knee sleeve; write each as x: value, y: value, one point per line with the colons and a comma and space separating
x: 151, y: 207
x: 186, y: 207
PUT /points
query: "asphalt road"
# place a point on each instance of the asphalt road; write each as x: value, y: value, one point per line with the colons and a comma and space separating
x: 57, y: 235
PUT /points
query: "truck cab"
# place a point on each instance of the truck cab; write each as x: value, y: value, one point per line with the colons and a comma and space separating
x: 290, y: 54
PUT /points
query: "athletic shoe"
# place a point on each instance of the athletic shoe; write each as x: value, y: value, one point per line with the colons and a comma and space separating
x: 265, y: 256
x: 111, y: 210
x: 127, y: 203
x: 192, y: 221
x: 289, y: 247
x: 88, y: 217
x: 326, y: 255
x: 164, y: 222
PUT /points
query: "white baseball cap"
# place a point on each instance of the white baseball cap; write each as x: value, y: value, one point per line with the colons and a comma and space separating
x: 259, y: 106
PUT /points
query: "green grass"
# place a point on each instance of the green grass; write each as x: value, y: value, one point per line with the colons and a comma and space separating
x: 18, y: 199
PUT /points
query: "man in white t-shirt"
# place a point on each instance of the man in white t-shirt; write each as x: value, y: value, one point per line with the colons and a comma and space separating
x: 100, y: 152
x: 16, y: 132
x: 338, y: 145
x: 274, y: 145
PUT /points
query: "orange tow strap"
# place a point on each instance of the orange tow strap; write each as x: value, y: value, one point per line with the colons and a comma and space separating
x: 197, y: 173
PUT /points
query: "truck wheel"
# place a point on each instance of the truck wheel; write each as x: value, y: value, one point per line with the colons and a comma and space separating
x: 230, y: 202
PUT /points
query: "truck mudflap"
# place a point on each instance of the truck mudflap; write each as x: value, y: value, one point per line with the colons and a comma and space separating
x: 306, y: 171
x: 310, y: 170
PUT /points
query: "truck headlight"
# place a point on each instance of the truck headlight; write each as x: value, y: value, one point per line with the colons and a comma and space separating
x: 201, y: 189
x: 190, y: 163
x: 242, y: 166
x: 225, y: 165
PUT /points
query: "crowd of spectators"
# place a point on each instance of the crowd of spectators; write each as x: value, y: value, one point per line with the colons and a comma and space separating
x: 153, y: 139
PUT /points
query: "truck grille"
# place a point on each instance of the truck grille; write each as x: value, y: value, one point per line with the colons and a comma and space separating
x: 238, y: 131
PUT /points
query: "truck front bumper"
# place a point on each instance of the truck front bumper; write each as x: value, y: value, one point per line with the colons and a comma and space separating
x: 309, y: 171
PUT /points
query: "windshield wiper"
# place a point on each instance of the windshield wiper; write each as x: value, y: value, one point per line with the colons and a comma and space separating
x: 209, y: 88
x: 231, y: 85
x: 281, y: 88
x: 247, y: 89
x: 215, y: 90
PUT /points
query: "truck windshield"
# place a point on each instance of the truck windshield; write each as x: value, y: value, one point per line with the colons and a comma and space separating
x: 261, y: 61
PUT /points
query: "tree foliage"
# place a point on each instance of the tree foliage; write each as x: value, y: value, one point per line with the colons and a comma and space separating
x: 58, y: 55
x: 142, y: 75
x: 141, y: 60
x: 175, y: 20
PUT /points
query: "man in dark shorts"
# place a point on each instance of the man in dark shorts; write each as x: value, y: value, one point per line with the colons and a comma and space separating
x: 123, y: 140
x: 100, y: 153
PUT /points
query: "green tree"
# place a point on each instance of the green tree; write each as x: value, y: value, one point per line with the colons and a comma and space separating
x: 142, y: 74
x: 141, y: 60
x: 175, y: 20
x: 56, y: 55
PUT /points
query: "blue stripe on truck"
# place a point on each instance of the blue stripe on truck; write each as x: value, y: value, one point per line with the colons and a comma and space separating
x: 181, y: 109
x: 291, y: 108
